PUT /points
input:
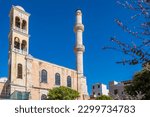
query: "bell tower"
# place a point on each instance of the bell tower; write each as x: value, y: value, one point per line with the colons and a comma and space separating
x: 18, y: 48
x: 19, y: 30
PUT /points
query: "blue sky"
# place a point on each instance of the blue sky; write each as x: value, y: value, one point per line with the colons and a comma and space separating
x: 52, y: 37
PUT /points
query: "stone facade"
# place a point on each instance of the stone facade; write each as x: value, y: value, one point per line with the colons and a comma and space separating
x: 31, y: 75
x: 32, y: 82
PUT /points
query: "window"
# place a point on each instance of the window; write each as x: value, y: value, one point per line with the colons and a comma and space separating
x: 17, y: 22
x: 98, y: 86
x: 43, y: 97
x: 93, y: 87
x: 69, y: 81
x: 44, y: 76
x: 24, y: 45
x: 24, y: 25
x: 116, y: 91
x: 93, y: 93
x: 19, y: 74
x: 99, y: 94
x: 57, y: 79
x: 16, y: 43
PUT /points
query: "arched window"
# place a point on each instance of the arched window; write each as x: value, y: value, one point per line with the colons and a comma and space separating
x: 17, y: 22
x: 43, y: 97
x: 24, y: 25
x: 16, y: 43
x: 69, y: 81
x: 44, y: 76
x: 24, y: 45
x: 19, y: 68
x: 57, y: 79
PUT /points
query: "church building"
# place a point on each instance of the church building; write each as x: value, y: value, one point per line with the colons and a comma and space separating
x: 31, y: 78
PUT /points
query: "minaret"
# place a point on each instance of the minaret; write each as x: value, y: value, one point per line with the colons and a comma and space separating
x: 79, y: 47
x: 79, y: 50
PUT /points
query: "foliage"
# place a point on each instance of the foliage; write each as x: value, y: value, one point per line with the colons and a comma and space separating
x: 140, y: 87
x: 104, y: 97
x: 137, y: 47
x: 62, y: 93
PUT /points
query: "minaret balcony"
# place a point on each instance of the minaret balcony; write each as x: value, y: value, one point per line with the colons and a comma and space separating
x: 78, y: 26
x: 78, y: 48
